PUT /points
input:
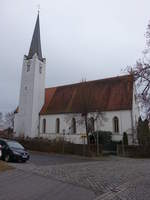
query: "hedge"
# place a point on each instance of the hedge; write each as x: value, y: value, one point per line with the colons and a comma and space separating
x: 134, y: 151
x: 60, y: 146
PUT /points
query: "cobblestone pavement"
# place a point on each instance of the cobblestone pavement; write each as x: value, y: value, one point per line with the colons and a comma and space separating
x: 111, y: 178
x: 19, y: 185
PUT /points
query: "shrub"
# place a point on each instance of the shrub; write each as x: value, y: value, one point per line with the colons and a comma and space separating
x: 104, y: 137
x: 143, y: 132
x: 134, y: 151
x: 125, y: 138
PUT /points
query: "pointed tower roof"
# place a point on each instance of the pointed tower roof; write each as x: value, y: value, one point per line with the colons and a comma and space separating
x: 35, y: 46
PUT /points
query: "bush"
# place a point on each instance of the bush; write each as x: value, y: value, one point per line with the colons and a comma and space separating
x: 134, y: 151
x: 104, y: 137
x: 125, y: 138
x: 143, y: 132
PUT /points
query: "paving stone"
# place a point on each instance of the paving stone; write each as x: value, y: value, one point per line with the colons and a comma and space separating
x: 23, y: 185
x: 112, y: 178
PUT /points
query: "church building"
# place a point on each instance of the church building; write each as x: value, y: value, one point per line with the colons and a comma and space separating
x: 57, y: 112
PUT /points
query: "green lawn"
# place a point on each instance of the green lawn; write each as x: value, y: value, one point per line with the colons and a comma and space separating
x: 4, y: 166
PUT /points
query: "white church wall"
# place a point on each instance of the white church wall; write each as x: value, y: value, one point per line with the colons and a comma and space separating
x: 65, y: 131
x: 65, y: 123
x: 124, y: 117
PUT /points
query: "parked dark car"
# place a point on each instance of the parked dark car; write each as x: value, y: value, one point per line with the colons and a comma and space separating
x: 13, y: 151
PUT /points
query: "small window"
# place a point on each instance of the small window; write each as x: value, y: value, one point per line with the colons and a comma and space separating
x: 57, y: 125
x: 44, y: 125
x: 28, y: 66
x: 40, y: 69
x: 73, y: 126
x: 116, y: 124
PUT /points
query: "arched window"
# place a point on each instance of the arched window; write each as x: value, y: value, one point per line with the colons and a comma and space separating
x: 73, y: 125
x: 57, y: 125
x: 92, y: 124
x: 116, y: 124
x: 44, y: 125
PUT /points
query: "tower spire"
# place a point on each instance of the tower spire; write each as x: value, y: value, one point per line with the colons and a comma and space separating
x: 35, y: 46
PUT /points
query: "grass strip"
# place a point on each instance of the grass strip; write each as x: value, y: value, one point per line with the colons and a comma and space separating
x: 4, y: 166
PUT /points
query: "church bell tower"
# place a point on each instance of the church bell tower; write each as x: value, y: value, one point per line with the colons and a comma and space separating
x: 32, y: 90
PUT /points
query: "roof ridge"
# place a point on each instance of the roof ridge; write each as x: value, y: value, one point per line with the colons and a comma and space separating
x: 103, y: 79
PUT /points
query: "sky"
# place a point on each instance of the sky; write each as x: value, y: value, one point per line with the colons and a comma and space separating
x: 81, y: 39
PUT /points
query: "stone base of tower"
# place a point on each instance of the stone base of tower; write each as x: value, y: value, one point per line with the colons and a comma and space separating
x: 18, y: 130
x: 22, y: 130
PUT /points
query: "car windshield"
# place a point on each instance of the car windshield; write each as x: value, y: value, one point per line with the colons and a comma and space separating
x: 12, y: 144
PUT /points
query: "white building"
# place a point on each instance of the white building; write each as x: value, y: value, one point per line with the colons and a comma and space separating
x: 52, y: 112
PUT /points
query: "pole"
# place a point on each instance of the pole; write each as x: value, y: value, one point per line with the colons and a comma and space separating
x: 97, y: 144
x: 123, y: 149
x: 84, y: 146
x: 63, y: 140
x: 0, y: 150
x: 97, y: 139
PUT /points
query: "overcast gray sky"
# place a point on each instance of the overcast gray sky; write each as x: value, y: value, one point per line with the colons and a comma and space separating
x: 89, y: 39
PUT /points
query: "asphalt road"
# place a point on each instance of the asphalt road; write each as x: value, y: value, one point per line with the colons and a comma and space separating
x: 19, y: 185
x: 23, y: 183
x: 44, y: 159
x: 61, y: 177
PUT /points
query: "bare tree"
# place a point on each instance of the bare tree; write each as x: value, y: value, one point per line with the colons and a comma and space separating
x: 86, y: 108
x: 9, y: 119
x: 1, y: 116
x: 1, y: 121
x: 141, y: 73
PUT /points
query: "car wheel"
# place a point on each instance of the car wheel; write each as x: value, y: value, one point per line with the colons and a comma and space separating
x: 7, y: 158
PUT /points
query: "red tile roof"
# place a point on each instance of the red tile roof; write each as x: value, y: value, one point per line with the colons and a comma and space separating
x: 49, y: 92
x: 104, y: 95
